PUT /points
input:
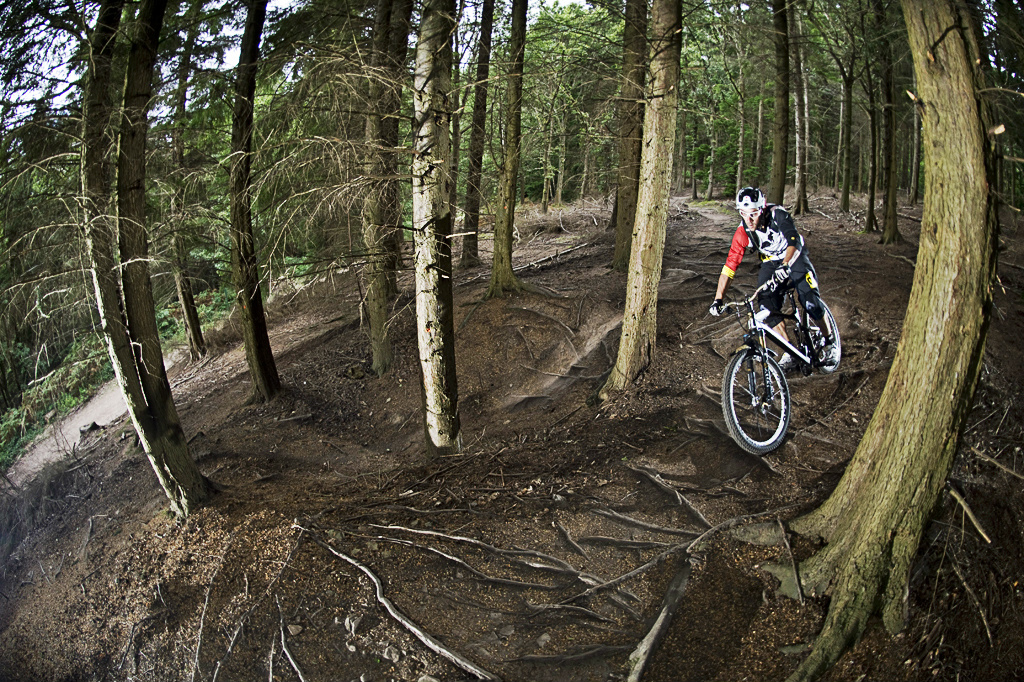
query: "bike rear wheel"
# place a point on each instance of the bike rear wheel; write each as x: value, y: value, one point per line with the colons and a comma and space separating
x: 828, y: 356
x: 755, y: 402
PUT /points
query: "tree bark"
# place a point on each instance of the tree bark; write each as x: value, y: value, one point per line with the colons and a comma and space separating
x: 640, y: 319
x: 244, y: 261
x: 870, y: 222
x: 471, y: 226
x: 396, y: 76
x: 126, y: 308
x: 432, y: 229
x: 915, y: 163
x: 780, y: 145
x: 847, y: 126
x: 502, y: 278
x: 631, y: 123
x: 890, y: 229
x: 874, y: 519
x: 800, y: 180
x: 182, y: 282
x: 375, y: 231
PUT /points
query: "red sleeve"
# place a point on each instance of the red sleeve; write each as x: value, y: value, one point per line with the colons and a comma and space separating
x: 740, y: 242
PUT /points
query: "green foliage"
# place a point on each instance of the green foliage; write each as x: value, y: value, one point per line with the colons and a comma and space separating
x: 83, y: 368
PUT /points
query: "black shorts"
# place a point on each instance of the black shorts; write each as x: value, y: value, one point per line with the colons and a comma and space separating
x: 803, y: 278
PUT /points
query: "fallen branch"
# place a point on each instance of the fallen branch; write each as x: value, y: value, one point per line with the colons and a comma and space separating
x: 630, y: 521
x: 902, y: 258
x: 970, y: 514
x: 618, y: 542
x: 568, y: 538
x: 615, y: 582
x: 284, y: 646
x: 655, y: 478
x: 977, y: 603
x: 997, y: 463
x: 404, y: 620
x: 537, y: 609
x: 726, y: 525
x: 572, y: 658
x: 480, y: 575
x: 670, y: 602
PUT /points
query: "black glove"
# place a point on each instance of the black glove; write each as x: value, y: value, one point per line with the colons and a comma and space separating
x: 779, y: 277
x: 716, y: 307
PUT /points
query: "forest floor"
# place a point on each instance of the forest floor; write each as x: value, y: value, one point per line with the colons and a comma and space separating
x: 491, y: 552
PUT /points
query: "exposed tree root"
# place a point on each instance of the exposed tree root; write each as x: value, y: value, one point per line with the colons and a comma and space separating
x: 404, y: 620
x: 673, y: 596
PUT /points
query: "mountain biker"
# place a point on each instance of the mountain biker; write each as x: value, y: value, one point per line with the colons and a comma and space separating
x: 769, y: 230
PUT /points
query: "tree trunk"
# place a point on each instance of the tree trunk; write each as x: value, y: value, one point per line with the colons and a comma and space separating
x: 780, y: 145
x: 915, y: 164
x: 844, y: 203
x: 391, y: 113
x: 502, y: 277
x: 741, y: 146
x: 800, y: 179
x: 890, y: 230
x: 640, y: 319
x: 713, y: 134
x: 875, y: 518
x: 458, y: 97
x: 471, y: 226
x: 182, y: 283
x: 432, y: 227
x: 127, y: 313
x: 244, y: 262
x: 759, y: 147
x: 870, y: 222
x: 375, y: 231
x: 631, y: 123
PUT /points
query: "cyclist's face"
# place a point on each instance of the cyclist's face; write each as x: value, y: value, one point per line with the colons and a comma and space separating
x: 750, y: 216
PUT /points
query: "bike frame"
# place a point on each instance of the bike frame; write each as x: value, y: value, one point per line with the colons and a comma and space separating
x: 758, y: 328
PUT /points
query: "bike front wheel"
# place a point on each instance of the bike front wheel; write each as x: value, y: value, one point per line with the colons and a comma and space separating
x: 755, y: 402
x: 828, y: 356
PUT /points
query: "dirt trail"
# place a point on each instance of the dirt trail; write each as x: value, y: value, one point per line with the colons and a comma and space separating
x: 496, y: 551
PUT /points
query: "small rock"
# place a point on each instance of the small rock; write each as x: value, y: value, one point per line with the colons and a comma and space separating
x: 427, y: 678
x: 543, y: 640
x: 352, y: 623
x: 506, y: 632
x: 392, y: 654
x: 351, y: 647
x: 294, y: 630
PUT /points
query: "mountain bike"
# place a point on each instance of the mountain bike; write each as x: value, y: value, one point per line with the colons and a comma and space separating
x: 755, y: 394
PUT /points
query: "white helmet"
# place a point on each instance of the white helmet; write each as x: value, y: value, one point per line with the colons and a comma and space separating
x: 749, y: 198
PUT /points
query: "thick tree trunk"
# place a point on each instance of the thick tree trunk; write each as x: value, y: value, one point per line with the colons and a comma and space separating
x: 631, y: 123
x: 890, y: 230
x: 471, y: 226
x: 780, y: 145
x: 432, y: 227
x: 244, y: 261
x: 874, y: 520
x: 502, y: 277
x: 640, y: 319
x: 126, y: 310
